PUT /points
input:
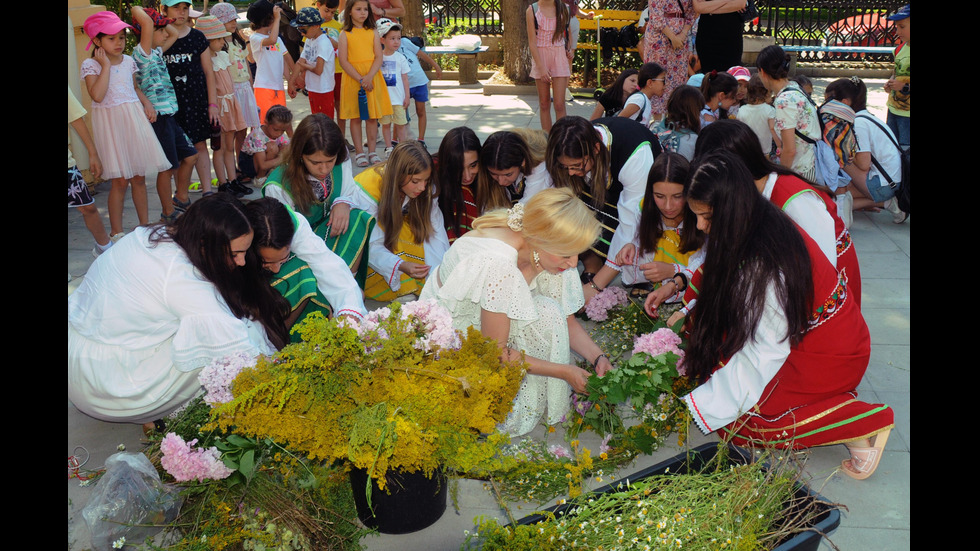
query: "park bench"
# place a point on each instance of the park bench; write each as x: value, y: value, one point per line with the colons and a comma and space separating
x: 604, y: 21
x: 467, y: 60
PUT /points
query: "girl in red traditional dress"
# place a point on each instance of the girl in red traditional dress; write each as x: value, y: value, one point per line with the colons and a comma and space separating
x: 457, y: 167
x: 777, y: 339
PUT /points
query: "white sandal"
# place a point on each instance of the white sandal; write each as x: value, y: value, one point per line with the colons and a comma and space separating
x: 360, y: 159
x: 374, y: 158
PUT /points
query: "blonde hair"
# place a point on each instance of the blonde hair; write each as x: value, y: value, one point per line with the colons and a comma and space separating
x: 407, y: 159
x: 537, y: 143
x: 555, y: 220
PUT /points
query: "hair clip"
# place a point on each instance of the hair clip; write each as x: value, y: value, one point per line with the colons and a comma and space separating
x: 515, y: 217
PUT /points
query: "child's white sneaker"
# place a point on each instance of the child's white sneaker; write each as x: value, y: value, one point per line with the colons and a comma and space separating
x: 898, y: 216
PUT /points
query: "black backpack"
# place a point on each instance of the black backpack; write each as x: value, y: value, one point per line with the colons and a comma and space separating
x: 629, y: 37
x: 903, y: 188
x: 618, y: 40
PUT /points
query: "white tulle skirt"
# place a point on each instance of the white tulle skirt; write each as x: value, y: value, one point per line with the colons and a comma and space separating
x: 126, y: 142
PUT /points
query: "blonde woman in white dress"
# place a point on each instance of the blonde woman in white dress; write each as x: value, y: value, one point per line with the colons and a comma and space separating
x: 514, y: 278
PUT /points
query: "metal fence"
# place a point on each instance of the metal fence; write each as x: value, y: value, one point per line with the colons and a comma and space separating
x: 464, y: 16
x: 827, y: 23
x: 483, y: 16
x: 792, y: 22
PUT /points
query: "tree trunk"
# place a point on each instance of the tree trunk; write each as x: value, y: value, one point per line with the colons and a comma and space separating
x: 412, y: 22
x: 517, y: 56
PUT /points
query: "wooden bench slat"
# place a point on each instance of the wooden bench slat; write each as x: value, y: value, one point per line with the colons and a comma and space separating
x: 616, y: 14
x: 587, y: 46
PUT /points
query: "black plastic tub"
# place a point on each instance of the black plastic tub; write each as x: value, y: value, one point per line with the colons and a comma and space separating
x: 415, y: 501
x: 826, y: 522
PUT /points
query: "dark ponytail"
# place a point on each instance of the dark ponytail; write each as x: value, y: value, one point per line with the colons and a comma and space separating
x: 774, y: 61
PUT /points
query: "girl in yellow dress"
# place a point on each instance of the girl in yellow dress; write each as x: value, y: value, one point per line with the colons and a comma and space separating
x: 667, y: 241
x: 359, y: 52
x: 410, y: 238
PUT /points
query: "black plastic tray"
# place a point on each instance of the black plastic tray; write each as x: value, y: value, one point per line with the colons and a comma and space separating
x: 826, y: 522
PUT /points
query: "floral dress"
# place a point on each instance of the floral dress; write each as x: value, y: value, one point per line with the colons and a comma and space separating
x: 673, y: 15
x: 796, y: 111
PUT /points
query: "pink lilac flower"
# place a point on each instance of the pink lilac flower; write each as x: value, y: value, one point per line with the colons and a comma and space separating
x: 559, y: 451
x: 660, y: 341
x: 434, y: 322
x: 217, y: 376
x: 604, y: 446
x: 185, y: 463
x: 350, y: 322
x: 598, y: 308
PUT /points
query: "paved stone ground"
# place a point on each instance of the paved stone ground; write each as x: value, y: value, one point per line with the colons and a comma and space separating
x: 879, y: 509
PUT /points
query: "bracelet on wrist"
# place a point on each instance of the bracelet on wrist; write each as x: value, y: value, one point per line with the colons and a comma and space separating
x: 595, y: 364
x: 590, y: 279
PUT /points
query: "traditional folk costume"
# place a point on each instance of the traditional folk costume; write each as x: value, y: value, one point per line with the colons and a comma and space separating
x: 469, y: 214
x: 804, y: 205
x: 385, y: 281
x: 336, y: 188
x: 798, y: 395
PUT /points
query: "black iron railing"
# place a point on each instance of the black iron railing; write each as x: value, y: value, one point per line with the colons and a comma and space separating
x: 829, y: 23
x: 793, y: 22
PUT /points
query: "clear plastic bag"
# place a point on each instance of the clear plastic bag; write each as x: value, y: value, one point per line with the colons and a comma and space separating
x: 129, y: 501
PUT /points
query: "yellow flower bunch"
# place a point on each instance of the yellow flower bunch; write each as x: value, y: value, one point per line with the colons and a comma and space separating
x: 378, y: 406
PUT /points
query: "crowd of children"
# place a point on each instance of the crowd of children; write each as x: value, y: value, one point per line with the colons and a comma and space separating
x: 818, y: 141
x: 204, y: 80
x: 194, y: 80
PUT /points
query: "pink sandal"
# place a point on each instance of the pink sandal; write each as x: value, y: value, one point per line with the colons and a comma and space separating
x: 864, y: 461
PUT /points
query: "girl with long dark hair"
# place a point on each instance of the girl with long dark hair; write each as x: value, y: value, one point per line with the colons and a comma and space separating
x: 457, y: 170
x: 778, y: 342
x: 611, y: 101
x: 668, y: 241
x: 301, y: 267
x: 161, y: 304
x: 511, y: 170
x: 810, y: 207
x: 606, y: 163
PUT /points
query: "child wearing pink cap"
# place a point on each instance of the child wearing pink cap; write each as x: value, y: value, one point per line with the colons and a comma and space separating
x: 121, y: 117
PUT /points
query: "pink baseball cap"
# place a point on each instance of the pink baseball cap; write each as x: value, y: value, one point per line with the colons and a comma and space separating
x: 103, y: 22
x: 740, y: 73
